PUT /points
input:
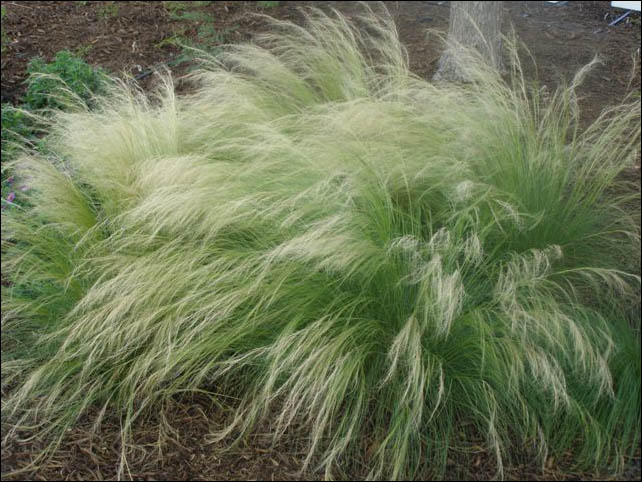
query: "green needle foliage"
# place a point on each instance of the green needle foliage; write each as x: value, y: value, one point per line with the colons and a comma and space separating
x: 389, y: 271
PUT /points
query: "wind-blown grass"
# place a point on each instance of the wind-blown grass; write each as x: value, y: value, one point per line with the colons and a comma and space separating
x: 382, y: 267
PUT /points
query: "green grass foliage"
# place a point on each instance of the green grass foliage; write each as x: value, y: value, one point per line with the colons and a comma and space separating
x: 17, y: 128
x: 385, y: 269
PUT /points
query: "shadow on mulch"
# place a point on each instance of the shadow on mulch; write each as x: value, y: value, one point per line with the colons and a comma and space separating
x: 186, y: 454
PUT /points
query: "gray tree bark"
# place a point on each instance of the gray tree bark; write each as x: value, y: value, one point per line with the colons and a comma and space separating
x: 473, y: 25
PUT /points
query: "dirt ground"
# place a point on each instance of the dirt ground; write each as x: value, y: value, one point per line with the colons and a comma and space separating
x: 137, y: 37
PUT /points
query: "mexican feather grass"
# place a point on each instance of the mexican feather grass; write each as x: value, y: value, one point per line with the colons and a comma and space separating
x: 380, y: 267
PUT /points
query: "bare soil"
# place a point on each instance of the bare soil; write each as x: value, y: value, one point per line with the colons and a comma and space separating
x: 135, y: 38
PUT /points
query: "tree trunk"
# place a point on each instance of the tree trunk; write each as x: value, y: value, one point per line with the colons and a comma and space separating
x: 473, y: 25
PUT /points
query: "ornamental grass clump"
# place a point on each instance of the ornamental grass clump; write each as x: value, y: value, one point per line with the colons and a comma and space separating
x: 387, y: 270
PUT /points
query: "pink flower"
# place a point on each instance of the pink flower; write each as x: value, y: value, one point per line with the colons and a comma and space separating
x: 11, y: 197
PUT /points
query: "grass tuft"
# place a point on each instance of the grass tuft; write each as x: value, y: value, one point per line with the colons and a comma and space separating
x: 388, y: 270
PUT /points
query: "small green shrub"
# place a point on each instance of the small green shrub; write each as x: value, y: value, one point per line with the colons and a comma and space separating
x: 65, y: 81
